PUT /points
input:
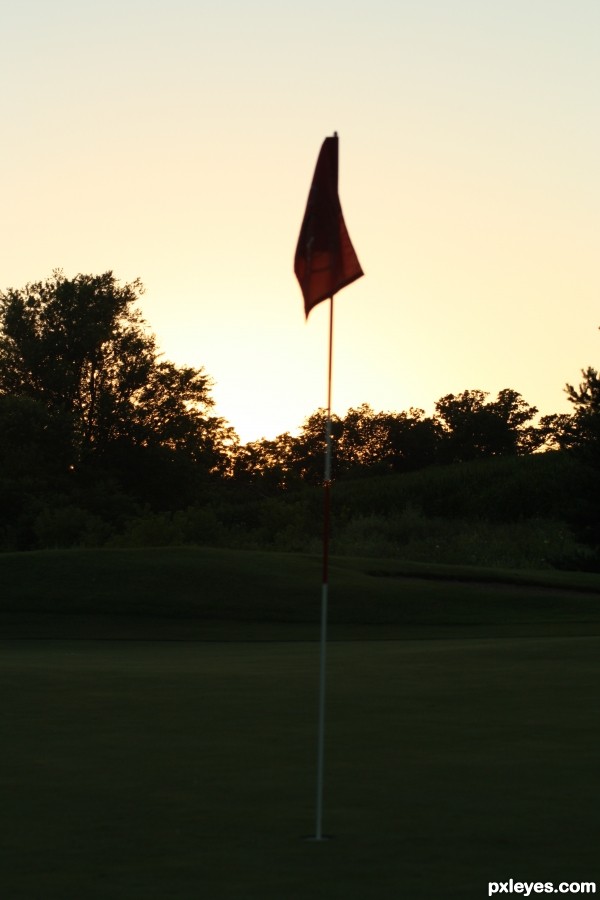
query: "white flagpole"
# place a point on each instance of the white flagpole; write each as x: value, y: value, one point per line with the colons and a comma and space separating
x: 324, y: 595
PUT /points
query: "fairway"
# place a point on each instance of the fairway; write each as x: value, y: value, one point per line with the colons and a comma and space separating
x: 172, y: 771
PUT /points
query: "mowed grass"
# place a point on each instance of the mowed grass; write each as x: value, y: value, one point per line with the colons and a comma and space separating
x: 179, y: 770
x: 233, y: 594
x: 180, y: 763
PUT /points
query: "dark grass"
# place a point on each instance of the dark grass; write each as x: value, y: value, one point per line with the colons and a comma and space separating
x: 175, y: 770
x: 147, y: 771
x: 207, y: 592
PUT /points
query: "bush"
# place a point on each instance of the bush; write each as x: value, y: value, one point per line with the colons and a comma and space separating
x: 151, y: 530
x: 410, y: 535
x: 69, y: 526
x: 199, y: 525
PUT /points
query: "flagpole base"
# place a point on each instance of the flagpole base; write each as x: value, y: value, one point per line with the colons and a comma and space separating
x: 313, y: 839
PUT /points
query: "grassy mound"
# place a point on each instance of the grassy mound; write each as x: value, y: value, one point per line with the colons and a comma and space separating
x: 254, y: 592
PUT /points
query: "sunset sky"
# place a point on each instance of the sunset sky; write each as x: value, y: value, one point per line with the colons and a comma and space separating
x: 176, y: 141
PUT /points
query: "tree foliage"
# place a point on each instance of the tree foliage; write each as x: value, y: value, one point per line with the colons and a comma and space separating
x: 80, y: 346
x: 473, y: 428
x: 465, y: 426
x: 77, y: 360
x: 582, y: 431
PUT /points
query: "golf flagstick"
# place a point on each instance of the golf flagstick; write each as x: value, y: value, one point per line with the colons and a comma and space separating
x: 324, y: 595
x: 324, y: 263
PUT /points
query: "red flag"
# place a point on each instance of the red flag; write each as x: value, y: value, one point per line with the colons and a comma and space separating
x: 325, y: 260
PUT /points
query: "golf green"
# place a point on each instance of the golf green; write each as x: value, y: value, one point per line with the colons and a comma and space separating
x: 168, y: 771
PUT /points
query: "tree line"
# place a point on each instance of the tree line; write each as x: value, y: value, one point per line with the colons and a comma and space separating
x: 94, y: 420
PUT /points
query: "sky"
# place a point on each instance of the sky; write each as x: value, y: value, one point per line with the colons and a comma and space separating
x: 175, y: 141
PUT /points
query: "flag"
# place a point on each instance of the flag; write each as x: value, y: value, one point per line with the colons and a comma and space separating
x: 325, y: 260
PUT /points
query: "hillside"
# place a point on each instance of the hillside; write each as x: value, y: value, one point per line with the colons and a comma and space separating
x: 231, y: 594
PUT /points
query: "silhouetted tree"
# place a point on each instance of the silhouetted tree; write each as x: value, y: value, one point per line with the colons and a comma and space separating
x: 557, y: 431
x: 290, y: 460
x: 474, y: 429
x: 362, y: 441
x: 413, y: 440
x: 579, y: 434
x: 521, y: 437
x: 264, y: 463
x: 307, y: 451
x: 81, y: 349
x: 35, y: 454
x: 583, y: 432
